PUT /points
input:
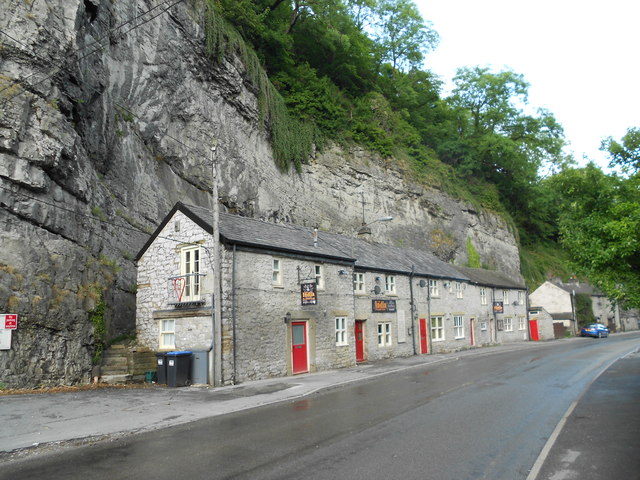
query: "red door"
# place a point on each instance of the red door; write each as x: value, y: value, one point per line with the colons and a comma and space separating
x: 300, y: 363
x: 359, y: 341
x: 471, y: 332
x: 424, y: 346
x: 533, y: 330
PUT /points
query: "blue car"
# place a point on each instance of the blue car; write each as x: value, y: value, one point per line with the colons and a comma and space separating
x: 596, y: 330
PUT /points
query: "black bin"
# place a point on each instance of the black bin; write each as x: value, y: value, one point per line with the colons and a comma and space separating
x: 178, y: 368
x: 161, y: 368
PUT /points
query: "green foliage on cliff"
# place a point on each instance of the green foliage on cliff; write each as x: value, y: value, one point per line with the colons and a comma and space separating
x: 473, y: 257
x: 292, y: 138
x: 96, y: 317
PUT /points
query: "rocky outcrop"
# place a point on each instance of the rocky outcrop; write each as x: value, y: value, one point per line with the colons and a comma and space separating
x: 108, y: 114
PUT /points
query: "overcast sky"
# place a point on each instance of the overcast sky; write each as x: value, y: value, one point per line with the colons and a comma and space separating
x: 582, y: 58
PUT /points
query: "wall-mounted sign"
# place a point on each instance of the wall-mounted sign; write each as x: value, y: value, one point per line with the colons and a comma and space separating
x: 382, y: 306
x: 9, y: 321
x: 498, y: 307
x: 308, y: 293
x: 5, y: 339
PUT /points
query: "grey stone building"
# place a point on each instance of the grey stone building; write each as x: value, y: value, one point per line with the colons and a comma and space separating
x: 296, y: 300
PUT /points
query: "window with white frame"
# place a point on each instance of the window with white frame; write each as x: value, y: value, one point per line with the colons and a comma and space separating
x: 319, y: 277
x: 458, y: 290
x: 358, y: 283
x: 505, y: 297
x: 276, y: 272
x: 437, y: 328
x: 384, y: 334
x: 167, y: 334
x: 483, y: 326
x: 483, y: 296
x: 522, y: 323
x: 390, y: 284
x: 341, y: 331
x: 190, y: 272
x: 520, y: 297
x: 508, y: 324
x: 458, y: 326
x: 433, y: 288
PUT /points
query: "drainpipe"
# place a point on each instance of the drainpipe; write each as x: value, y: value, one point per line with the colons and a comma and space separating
x: 413, y: 311
x: 572, y: 297
x: 233, y: 311
x: 526, y: 316
x: 495, y: 315
x: 428, y: 323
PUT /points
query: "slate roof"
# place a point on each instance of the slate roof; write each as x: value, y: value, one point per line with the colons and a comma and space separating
x: 295, y: 239
x: 491, y: 278
x: 578, y: 287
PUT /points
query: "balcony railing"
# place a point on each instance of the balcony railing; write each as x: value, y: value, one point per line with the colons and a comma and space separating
x: 185, y: 290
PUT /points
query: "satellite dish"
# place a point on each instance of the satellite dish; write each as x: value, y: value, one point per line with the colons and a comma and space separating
x: 377, y: 290
x: 422, y: 284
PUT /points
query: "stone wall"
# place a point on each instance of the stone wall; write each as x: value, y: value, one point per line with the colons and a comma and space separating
x: 154, y: 289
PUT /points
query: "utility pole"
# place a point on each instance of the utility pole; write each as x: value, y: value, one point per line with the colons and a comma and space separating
x: 216, y: 342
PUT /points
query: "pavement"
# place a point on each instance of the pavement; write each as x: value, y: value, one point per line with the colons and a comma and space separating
x: 40, y: 422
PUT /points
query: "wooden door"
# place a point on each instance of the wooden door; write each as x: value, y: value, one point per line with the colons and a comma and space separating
x: 299, y: 355
x: 359, y: 333
x: 533, y: 330
x: 472, y: 332
x: 424, y: 345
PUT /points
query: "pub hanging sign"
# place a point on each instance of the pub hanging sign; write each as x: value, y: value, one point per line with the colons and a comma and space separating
x: 383, y: 306
x: 498, y: 307
x: 308, y: 293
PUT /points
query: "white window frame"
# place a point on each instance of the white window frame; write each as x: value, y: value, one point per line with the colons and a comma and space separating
x: 319, y: 271
x: 505, y: 297
x: 483, y: 296
x: 508, y: 324
x: 277, y: 279
x: 483, y: 326
x: 358, y: 283
x: 390, y: 284
x: 167, y: 331
x: 522, y: 323
x: 458, y: 290
x: 384, y: 334
x: 458, y: 326
x: 520, y: 297
x: 341, y: 331
x: 190, y: 259
x: 437, y: 331
x: 433, y: 288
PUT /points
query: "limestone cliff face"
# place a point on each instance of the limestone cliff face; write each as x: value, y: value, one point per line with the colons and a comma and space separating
x: 111, y: 122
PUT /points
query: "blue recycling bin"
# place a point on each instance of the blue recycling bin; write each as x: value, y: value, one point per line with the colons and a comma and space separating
x: 178, y: 368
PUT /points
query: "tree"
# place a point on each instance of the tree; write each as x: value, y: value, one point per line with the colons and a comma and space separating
x: 626, y: 154
x: 599, y: 225
x: 497, y: 141
x: 402, y: 34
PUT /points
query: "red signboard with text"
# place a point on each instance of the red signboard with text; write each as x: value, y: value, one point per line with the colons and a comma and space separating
x: 10, y: 321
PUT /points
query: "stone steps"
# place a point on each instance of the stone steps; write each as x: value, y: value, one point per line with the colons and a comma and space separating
x: 126, y: 364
